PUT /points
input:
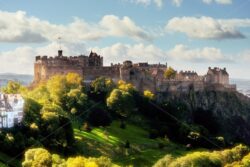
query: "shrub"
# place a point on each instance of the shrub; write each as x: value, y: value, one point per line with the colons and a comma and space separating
x: 237, y: 156
x: 234, y: 154
x: 246, y: 160
x: 76, y: 162
x: 102, y: 161
x: 195, y: 159
x: 37, y: 157
x: 165, y: 161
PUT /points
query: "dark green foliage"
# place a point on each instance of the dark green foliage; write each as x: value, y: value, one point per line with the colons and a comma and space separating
x: 100, y: 89
x: 127, y: 144
x: 99, y: 117
x: 31, y: 112
x: 206, y: 119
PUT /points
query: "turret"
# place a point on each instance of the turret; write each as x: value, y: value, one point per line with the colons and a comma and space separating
x: 60, y: 53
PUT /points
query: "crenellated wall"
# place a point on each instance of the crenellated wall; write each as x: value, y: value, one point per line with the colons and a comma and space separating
x: 142, y: 75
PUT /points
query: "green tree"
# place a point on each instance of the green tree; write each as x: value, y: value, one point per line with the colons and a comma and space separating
x: 74, y: 81
x: 170, y: 73
x: 121, y: 101
x: 148, y: 94
x: 128, y: 87
x: 13, y: 88
x: 40, y: 94
x: 37, y: 157
x: 31, y: 112
x: 76, y: 101
x: 102, y: 86
x: 57, y: 88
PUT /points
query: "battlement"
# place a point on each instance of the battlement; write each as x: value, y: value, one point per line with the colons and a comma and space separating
x: 92, y: 60
x: 143, y: 75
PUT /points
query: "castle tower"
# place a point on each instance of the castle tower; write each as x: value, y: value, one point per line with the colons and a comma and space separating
x: 60, y: 53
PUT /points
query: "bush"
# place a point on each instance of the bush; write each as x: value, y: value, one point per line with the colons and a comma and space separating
x: 37, y: 157
x: 102, y: 161
x: 76, y: 162
x: 195, y: 159
x: 237, y: 156
x: 165, y: 161
x: 234, y: 154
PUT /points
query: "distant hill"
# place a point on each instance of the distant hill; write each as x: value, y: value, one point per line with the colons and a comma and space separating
x: 22, y: 78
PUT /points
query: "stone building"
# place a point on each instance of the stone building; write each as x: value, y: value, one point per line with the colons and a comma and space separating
x: 217, y: 76
x: 142, y: 75
x: 11, y: 110
x: 187, y: 75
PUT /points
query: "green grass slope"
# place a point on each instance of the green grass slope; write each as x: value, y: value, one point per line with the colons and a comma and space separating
x: 110, y: 142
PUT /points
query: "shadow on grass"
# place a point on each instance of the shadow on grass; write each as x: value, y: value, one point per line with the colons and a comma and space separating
x: 110, y: 141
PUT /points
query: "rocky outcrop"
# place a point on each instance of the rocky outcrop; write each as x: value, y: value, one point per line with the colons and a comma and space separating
x: 223, y: 113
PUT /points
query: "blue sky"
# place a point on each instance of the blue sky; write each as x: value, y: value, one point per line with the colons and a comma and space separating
x: 188, y: 35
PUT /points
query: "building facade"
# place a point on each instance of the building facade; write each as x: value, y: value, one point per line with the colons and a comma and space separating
x: 11, y: 110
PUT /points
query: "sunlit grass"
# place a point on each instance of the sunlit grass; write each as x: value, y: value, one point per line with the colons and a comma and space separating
x: 110, y: 141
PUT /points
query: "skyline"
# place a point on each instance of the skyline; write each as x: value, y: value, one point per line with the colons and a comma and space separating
x: 188, y: 36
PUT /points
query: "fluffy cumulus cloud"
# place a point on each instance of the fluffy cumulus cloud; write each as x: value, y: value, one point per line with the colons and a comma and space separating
x: 177, y: 2
x: 123, y: 27
x: 19, y: 27
x: 206, y: 54
x: 138, y: 53
x: 21, y: 60
x: 141, y: 52
x: 208, y: 27
x: 223, y: 2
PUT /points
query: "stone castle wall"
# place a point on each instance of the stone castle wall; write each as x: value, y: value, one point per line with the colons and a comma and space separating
x: 142, y: 75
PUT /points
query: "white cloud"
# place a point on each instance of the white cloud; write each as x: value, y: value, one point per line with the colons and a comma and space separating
x: 137, y: 53
x: 207, y: 27
x: 141, y: 52
x: 159, y: 3
x: 223, y: 2
x: 18, y: 27
x: 245, y: 56
x: 123, y: 27
x: 21, y: 60
x: 206, y: 54
x: 177, y: 2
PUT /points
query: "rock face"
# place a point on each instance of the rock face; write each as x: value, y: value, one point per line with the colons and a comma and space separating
x: 222, y: 113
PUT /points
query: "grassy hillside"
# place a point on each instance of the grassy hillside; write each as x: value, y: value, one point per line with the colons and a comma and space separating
x: 110, y: 141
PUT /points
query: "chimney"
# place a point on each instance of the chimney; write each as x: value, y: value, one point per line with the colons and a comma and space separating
x: 60, y: 53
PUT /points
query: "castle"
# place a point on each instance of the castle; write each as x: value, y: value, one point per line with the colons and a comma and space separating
x: 142, y: 75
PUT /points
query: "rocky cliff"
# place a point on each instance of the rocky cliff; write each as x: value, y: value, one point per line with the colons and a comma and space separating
x: 222, y: 113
